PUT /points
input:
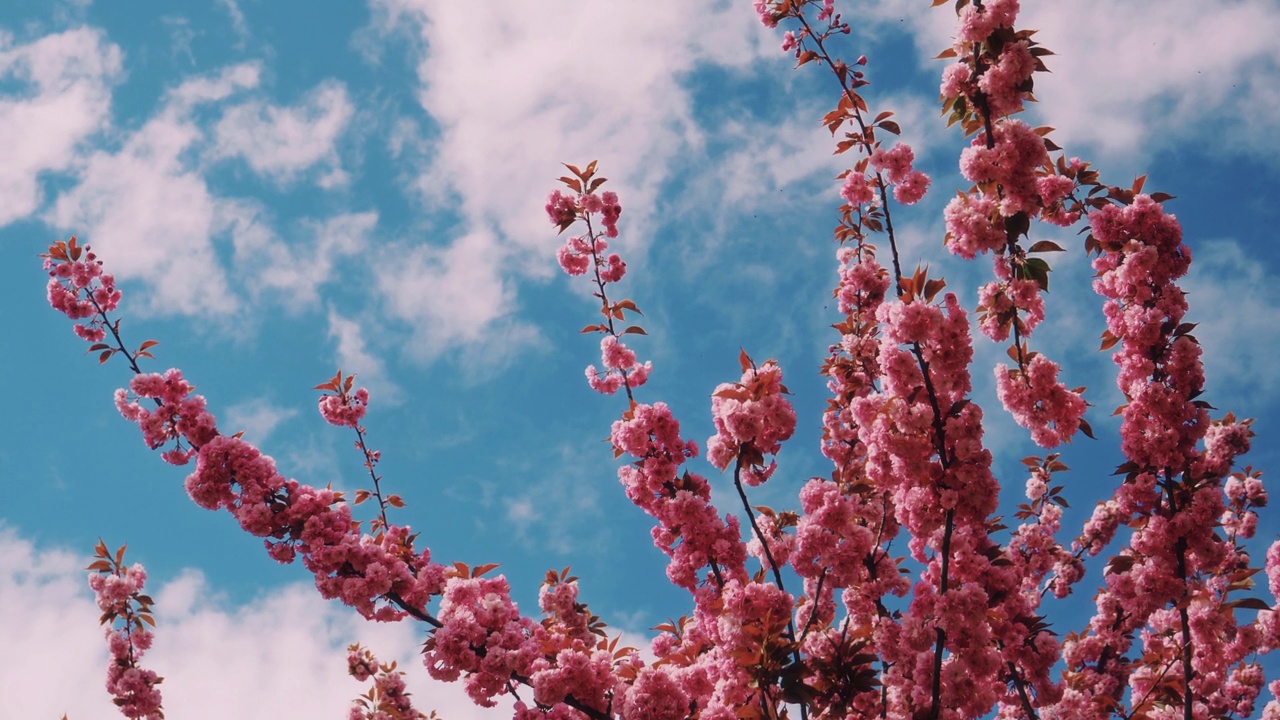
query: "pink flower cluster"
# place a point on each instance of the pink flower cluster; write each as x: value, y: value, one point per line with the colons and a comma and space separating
x: 79, y: 289
x: 620, y: 368
x: 1175, y: 577
x: 178, y: 415
x: 294, y: 519
x: 1010, y: 163
x: 387, y: 699
x: 1004, y: 69
x: 577, y: 256
x: 563, y: 209
x: 1038, y: 402
x: 1144, y: 256
x: 752, y: 419
x: 895, y: 165
x: 1001, y: 305
x: 973, y: 225
x: 118, y: 589
x: 482, y: 635
x: 345, y: 409
x: 690, y: 531
x: 858, y: 189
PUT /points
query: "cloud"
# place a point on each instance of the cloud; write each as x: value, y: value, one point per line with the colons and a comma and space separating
x: 1237, y: 306
x: 282, y: 142
x: 66, y: 81
x: 257, y: 418
x: 455, y: 295
x: 149, y: 209
x: 1150, y: 74
x: 1156, y: 74
x: 238, y: 23
x: 281, y: 655
x: 149, y: 212
x: 354, y: 357
x: 270, y: 265
x: 510, y: 110
x: 560, y: 511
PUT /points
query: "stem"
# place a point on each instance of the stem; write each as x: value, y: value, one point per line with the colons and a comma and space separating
x: 1022, y: 692
x: 813, y: 612
x: 764, y: 542
x: 866, y: 146
x: 936, y: 691
x: 604, y: 298
x: 377, y: 488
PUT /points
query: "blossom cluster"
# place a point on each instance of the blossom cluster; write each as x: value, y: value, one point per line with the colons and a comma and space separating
x: 387, y: 699
x: 1013, y: 182
x: 118, y: 589
x: 752, y: 419
x: 621, y: 367
x: 78, y: 287
x: 1169, y: 637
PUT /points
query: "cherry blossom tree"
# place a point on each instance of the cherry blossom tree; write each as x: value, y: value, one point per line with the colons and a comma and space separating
x: 808, y: 610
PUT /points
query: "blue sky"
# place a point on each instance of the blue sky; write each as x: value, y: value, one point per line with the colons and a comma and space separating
x: 283, y: 191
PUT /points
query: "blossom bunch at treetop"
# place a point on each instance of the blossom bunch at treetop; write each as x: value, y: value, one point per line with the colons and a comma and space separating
x: 892, y: 589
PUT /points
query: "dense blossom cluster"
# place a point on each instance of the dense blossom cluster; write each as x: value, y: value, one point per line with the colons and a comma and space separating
x: 752, y: 419
x: 387, y: 699
x: 118, y: 589
x: 79, y: 289
x: 621, y: 367
x: 954, y: 628
x: 581, y: 253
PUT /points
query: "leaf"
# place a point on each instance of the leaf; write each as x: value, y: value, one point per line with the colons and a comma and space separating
x: 634, y: 330
x: 628, y: 305
x: 395, y: 501
x: 890, y: 126
x: 1087, y: 429
x: 1046, y: 246
x: 482, y: 569
x: 1252, y: 603
x: 745, y: 360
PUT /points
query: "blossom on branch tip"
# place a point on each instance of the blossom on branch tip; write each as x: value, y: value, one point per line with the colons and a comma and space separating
x: 752, y: 419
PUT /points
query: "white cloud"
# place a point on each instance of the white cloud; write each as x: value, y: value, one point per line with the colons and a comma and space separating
x: 1157, y: 74
x: 1129, y: 79
x: 149, y: 207
x: 151, y: 214
x: 594, y: 81
x: 282, y: 142
x: 354, y: 357
x: 269, y: 264
x: 238, y: 23
x: 257, y: 418
x: 214, y: 87
x: 66, y: 79
x: 281, y: 655
x: 456, y: 295
x: 558, y: 511
x: 1237, y: 306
